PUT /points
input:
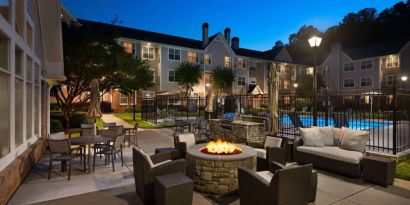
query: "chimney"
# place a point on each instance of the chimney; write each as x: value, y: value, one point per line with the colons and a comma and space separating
x: 227, y: 34
x: 205, y: 38
x: 235, y: 43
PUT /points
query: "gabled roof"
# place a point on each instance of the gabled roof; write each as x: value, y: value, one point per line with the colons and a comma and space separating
x: 133, y: 33
x: 379, y: 49
x: 138, y: 34
x: 267, y: 55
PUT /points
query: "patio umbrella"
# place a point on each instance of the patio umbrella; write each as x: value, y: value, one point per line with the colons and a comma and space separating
x: 94, y: 111
x: 273, y: 78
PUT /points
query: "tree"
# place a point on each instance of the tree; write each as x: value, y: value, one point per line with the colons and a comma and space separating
x: 223, y: 79
x: 89, y: 53
x: 135, y: 76
x: 278, y: 44
x: 305, y: 82
x: 188, y: 75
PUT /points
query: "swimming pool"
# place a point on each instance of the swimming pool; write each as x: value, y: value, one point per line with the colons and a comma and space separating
x: 357, y: 124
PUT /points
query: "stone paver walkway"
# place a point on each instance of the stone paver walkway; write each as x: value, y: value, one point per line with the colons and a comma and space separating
x: 107, y: 187
x: 112, y: 118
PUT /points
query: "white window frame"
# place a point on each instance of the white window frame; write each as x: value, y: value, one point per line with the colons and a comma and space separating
x: 228, y: 62
x: 365, y: 64
x: 371, y: 81
x: 209, y: 58
x: 387, y: 80
x: 241, y: 78
x: 174, y: 54
x: 344, y: 67
x: 392, y: 61
x: 122, y: 96
x: 348, y: 87
x: 153, y: 73
x: 168, y: 74
x: 196, y: 59
x: 153, y: 52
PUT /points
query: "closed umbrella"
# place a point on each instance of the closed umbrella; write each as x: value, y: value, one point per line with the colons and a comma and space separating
x: 273, y: 98
x: 94, y: 111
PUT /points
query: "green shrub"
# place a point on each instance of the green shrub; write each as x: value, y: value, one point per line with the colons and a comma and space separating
x: 56, y: 126
x: 131, y: 108
x: 54, y: 107
x: 76, y: 120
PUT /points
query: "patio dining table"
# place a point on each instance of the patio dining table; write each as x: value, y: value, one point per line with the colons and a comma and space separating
x: 88, y: 141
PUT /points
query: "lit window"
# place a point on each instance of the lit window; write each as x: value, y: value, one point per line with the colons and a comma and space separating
x: 309, y: 71
x: 287, y: 71
x: 241, y: 63
x: 207, y: 59
x: 392, y: 62
x: 192, y: 57
x: 128, y: 47
x: 366, y: 82
x: 153, y: 75
x: 366, y: 99
x: 392, y: 80
x: 241, y: 81
x: 286, y: 100
x: 348, y: 83
x: 123, y: 99
x: 5, y: 10
x: 148, y: 53
x: 348, y: 67
x: 286, y: 84
x: 171, y: 76
x: 174, y: 54
x: 367, y: 64
x: 227, y: 62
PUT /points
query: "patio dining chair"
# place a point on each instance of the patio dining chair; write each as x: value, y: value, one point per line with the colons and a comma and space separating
x: 110, y: 151
x: 61, y: 136
x: 60, y: 150
x: 109, y: 124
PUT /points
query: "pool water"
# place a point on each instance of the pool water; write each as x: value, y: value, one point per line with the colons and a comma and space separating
x: 357, y: 124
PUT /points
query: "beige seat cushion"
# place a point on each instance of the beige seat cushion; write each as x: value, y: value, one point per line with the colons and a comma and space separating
x: 272, y: 141
x: 327, y: 135
x: 266, y: 175
x: 147, y: 157
x: 189, y: 139
x: 338, y: 135
x: 332, y: 152
x: 57, y: 136
x: 261, y: 153
x: 312, y: 137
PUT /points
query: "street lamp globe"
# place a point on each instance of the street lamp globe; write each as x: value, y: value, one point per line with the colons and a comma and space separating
x: 315, y: 41
x: 404, y: 78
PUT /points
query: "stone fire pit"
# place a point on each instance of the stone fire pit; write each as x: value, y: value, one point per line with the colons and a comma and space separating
x: 217, y: 174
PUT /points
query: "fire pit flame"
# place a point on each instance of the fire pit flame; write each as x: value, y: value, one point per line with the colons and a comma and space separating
x: 220, y: 147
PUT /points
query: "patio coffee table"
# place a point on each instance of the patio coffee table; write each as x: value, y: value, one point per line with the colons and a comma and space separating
x: 88, y: 141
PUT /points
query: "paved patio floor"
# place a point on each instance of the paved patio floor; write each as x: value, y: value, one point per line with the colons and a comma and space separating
x: 107, y: 187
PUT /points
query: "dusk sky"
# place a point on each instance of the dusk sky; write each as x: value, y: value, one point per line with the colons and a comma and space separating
x: 258, y: 23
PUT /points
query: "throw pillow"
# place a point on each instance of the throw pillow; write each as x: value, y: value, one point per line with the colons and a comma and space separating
x: 338, y: 135
x: 327, y: 135
x: 272, y: 141
x: 311, y: 137
x: 354, y: 140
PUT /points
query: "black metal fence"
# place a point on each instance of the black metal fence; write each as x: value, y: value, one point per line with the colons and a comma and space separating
x: 384, y: 113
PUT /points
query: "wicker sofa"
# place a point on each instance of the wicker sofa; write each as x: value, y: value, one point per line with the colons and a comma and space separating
x: 337, y: 158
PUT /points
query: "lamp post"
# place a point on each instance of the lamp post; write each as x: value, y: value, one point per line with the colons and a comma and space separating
x: 314, y: 42
x: 295, y: 86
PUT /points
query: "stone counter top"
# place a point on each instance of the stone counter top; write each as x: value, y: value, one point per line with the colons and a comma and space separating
x: 240, y: 122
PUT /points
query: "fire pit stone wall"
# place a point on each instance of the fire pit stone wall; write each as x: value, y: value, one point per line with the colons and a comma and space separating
x: 237, y: 131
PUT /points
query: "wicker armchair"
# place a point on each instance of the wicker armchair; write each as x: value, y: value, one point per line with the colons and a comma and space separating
x: 185, y: 140
x: 273, y: 149
x: 146, y: 168
x: 286, y: 186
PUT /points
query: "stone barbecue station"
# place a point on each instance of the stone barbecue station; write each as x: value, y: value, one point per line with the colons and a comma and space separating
x: 237, y: 131
x: 217, y: 174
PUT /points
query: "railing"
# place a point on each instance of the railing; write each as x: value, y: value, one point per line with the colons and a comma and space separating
x: 384, y: 113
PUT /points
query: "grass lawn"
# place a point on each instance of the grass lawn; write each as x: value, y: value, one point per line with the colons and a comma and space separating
x: 142, y: 124
x: 403, y: 169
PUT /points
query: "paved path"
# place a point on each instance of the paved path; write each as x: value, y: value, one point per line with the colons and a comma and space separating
x: 112, y: 118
